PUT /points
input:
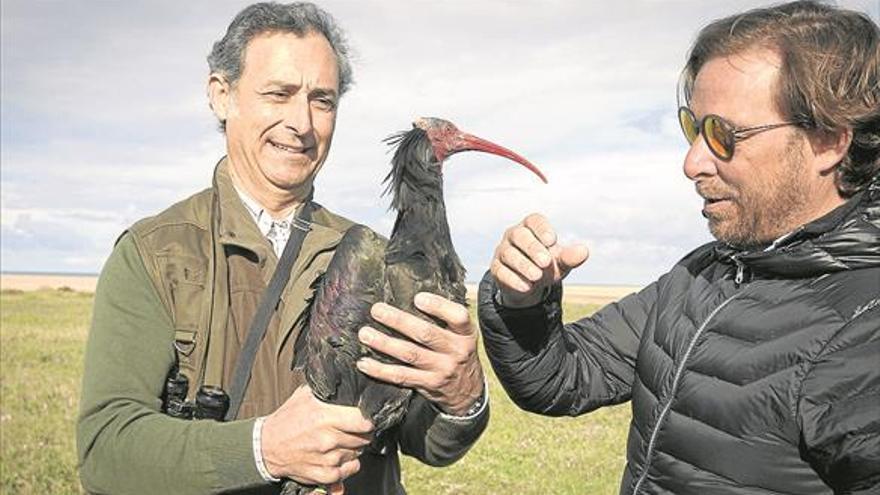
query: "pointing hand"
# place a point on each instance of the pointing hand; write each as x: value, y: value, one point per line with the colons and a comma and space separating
x: 528, y: 260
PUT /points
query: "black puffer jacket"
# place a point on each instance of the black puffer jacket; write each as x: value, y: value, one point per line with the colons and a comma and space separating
x: 753, y: 373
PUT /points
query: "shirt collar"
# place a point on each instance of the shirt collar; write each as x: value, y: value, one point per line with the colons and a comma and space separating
x: 277, y: 231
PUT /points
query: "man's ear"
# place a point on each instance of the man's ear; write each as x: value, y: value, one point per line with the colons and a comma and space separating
x: 829, y: 148
x: 219, y: 95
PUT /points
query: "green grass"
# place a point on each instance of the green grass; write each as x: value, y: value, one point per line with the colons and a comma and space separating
x: 42, y: 336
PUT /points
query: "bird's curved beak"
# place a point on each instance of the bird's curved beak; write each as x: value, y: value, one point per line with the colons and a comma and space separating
x: 468, y: 142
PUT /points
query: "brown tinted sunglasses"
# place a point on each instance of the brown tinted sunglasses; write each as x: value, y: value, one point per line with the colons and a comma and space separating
x: 720, y: 135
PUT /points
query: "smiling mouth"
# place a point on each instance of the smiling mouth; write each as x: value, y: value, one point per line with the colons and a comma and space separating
x: 289, y: 149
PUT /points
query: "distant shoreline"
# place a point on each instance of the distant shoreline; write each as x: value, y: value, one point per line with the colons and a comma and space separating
x: 86, y: 282
x: 50, y: 274
x: 79, y: 282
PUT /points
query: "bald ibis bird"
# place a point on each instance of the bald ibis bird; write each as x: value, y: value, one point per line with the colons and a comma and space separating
x: 419, y: 257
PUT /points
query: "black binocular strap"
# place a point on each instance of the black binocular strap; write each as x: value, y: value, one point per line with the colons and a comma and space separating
x: 268, y: 304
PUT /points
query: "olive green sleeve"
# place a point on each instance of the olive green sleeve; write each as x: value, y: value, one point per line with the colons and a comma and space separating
x: 438, y: 439
x: 124, y: 443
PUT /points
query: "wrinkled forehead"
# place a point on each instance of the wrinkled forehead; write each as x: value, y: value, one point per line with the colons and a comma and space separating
x: 288, y: 54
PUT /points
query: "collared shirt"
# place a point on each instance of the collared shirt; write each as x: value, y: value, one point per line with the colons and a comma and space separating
x: 277, y: 231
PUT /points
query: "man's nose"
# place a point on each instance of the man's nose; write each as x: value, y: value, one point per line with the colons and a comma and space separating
x: 298, y: 116
x: 699, y: 161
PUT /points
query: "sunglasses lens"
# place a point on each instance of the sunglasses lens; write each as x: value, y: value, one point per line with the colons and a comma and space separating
x: 688, y: 124
x: 719, y: 137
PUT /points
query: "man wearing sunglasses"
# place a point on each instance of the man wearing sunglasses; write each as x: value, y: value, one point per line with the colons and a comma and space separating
x: 753, y: 365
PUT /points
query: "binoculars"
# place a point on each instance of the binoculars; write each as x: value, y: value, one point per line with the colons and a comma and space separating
x: 210, y: 403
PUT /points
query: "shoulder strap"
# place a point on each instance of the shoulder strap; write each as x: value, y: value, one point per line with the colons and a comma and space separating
x: 267, y: 307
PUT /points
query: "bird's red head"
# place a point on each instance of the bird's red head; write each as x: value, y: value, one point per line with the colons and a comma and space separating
x: 446, y: 140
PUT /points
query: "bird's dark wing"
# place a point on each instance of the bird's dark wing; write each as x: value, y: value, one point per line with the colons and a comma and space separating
x: 328, y: 348
x: 407, y: 276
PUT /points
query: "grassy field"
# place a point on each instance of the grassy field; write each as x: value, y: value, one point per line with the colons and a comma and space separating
x: 42, y: 335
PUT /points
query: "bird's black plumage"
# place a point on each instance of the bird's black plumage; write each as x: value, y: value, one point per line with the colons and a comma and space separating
x: 419, y: 257
x: 328, y: 348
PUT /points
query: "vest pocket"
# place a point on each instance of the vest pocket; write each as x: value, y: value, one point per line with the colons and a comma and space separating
x: 185, y: 279
x: 186, y: 301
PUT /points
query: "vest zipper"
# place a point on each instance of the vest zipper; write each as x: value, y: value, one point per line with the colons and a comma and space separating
x: 740, y: 272
x: 675, y: 381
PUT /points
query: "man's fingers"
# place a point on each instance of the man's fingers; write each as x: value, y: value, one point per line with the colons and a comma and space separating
x: 350, y: 455
x: 347, y: 420
x: 508, y: 278
x: 399, y: 375
x: 572, y: 256
x: 330, y: 470
x: 417, y: 329
x: 519, y: 263
x: 351, y: 441
x: 349, y: 469
x: 528, y: 243
x: 311, y: 441
x: 455, y: 315
x: 402, y: 350
x: 541, y: 227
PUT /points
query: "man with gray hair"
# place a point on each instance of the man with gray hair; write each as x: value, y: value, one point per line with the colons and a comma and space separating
x: 182, y: 326
x: 753, y: 364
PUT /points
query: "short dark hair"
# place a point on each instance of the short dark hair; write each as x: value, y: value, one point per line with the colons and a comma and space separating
x: 830, y: 74
x: 300, y: 18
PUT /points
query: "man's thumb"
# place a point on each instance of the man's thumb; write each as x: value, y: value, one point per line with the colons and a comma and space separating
x: 572, y: 256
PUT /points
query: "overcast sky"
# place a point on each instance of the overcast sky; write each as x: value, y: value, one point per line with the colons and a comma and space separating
x: 105, y: 120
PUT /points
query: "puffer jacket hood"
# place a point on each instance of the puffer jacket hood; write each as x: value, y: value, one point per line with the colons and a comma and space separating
x: 847, y: 238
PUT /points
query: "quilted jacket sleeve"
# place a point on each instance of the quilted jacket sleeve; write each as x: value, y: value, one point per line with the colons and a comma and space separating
x: 839, y: 408
x: 554, y: 369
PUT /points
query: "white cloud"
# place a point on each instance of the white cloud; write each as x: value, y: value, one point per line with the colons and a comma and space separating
x: 104, y: 120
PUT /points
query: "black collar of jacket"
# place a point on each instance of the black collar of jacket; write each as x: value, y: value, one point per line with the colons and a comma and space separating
x: 846, y: 238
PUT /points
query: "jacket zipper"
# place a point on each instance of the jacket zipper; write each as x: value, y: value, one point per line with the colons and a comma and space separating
x: 740, y: 271
x: 675, y: 381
